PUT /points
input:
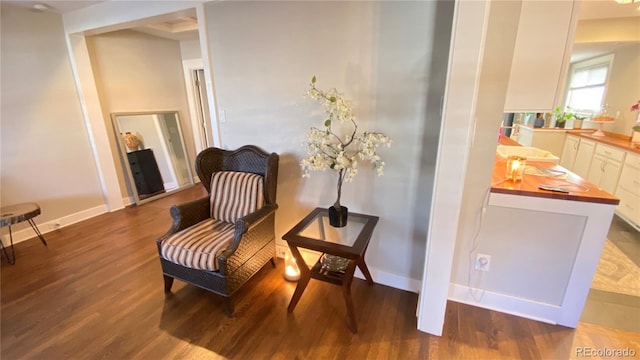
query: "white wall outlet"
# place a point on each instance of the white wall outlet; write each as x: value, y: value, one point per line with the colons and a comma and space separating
x: 483, y: 262
x: 222, y: 116
x: 281, y: 251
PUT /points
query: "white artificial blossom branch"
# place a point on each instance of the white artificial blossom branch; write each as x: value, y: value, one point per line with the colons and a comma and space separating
x: 325, y: 148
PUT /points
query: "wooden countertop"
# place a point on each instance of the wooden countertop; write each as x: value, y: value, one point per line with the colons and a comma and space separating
x: 543, y: 128
x: 617, y: 140
x: 579, y: 188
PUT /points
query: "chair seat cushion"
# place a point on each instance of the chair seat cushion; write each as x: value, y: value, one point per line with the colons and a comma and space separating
x: 198, y: 246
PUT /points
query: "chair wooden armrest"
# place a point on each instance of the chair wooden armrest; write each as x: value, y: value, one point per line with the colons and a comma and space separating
x: 188, y: 214
x: 248, y: 221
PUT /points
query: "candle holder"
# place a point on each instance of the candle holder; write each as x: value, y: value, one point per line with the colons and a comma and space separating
x: 291, y: 270
x: 515, y: 167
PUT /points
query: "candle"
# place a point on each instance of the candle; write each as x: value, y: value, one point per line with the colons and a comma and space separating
x: 515, y: 168
x: 291, y: 271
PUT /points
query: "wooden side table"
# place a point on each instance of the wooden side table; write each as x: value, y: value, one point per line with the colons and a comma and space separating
x: 350, y: 242
x: 14, y: 214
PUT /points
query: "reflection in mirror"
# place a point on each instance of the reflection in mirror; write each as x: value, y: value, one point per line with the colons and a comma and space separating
x: 153, y: 152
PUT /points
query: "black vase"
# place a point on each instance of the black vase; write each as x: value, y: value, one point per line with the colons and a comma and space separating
x: 338, y: 217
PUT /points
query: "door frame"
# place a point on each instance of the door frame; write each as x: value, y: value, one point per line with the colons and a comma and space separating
x: 92, y: 20
x: 188, y: 67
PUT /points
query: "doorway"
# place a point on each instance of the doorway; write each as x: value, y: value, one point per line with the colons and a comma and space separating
x: 199, y: 110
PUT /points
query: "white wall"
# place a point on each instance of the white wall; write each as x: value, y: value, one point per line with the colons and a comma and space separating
x: 615, y: 29
x: 379, y: 54
x: 493, y: 80
x: 190, y: 49
x: 624, y: 82
x: 624, y: 88
x: 45, y: 152
x: 139, y: 72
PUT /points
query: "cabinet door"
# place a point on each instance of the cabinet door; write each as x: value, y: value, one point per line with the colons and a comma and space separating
x: 596, y: 171
x: 541, y: 55
x: 583, y: 158
x: 525, y: 136
x: 629, y: 206
x: 569, y: 152
x: 610, y: 176
x: 550, y: 140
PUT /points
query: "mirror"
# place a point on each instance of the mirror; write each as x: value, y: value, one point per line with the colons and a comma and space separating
x: 153, y: 153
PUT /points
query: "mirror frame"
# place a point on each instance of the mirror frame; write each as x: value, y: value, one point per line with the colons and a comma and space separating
x: 125, y: 161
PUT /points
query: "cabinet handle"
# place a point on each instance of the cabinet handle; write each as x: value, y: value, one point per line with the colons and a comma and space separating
x: 575, y: 146
x: 602, y: 166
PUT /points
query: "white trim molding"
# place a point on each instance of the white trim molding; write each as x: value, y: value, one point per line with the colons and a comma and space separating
x: 525, y: 308
x: 55, y: 224
x: 188, y: 66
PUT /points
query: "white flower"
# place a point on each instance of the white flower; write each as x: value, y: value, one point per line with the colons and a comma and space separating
x: 340, y: 152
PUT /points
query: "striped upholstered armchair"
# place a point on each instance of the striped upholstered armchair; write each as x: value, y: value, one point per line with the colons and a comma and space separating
x: 220, y: 241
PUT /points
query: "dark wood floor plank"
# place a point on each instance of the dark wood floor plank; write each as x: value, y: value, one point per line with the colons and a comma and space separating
x: 97, y: 293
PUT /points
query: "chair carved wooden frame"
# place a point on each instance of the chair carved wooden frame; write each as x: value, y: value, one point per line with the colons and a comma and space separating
x: 253, y: 243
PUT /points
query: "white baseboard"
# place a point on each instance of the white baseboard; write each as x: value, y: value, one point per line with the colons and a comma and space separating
x: 379, y: 276
x: 506, y: 304
x: 127, y: 201
x: 171, y: 185
x: 51, y: 225
x: 627, y: 220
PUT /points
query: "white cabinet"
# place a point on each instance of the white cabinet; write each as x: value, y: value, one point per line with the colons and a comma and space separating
x: 628, y: 190
x: 525, y: 136
x: 606, y: 167
x: 541, y: 55
x: 586, y: 148
x: 569, y: 151
x: 546, y: 139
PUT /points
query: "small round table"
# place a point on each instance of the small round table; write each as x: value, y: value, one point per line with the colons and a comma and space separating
x: 14, y: 214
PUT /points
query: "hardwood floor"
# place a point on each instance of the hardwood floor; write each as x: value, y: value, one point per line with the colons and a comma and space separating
x: 97, y: 293
x: 614, y: 298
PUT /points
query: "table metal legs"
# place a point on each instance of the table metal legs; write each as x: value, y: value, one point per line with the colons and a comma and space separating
x: 12, y: 259
x: 37, y: 231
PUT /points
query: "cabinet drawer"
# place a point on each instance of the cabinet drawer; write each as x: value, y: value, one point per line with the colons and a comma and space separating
x: 630, y: 179
x: 632, y: 160
x: 629, y: 206
x: 610, y: 152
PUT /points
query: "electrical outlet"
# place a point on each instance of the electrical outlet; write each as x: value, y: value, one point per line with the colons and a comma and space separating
x: 483, y: 262
x: 222, y: 116
x: 281, y: 251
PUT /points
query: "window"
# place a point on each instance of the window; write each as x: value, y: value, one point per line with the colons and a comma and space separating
x: 588, y: 84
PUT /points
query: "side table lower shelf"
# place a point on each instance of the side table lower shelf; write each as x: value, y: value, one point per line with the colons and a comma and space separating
x: 334, y: 277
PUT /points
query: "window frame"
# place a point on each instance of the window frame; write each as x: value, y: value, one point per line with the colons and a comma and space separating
x: 598, y: 61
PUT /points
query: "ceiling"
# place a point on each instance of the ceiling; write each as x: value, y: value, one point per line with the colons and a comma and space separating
x: 183, y: 26
x: 57, y: 6
x: 603, y: 9
x: 178, y: 26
